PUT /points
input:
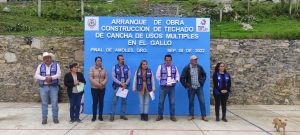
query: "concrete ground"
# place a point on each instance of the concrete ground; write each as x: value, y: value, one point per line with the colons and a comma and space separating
x: 25, y: 119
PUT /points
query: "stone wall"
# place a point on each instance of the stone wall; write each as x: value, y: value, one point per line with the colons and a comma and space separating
x: 263, y: 71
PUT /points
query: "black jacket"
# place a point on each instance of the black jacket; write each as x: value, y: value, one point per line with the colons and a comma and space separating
x: 69, y: 81
x: 186, y: 79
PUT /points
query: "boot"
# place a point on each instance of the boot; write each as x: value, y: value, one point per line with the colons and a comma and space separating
x: 146, y: 117
x: 94, y: 118
x: 100, y: 118
x: 218, y: 118
x: 142, y: 116
x: 224, y: 117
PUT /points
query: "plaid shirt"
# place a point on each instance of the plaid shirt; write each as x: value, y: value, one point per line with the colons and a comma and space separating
x: 194, y: 77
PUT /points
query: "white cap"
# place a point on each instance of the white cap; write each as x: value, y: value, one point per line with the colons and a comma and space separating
x: 193, y: 57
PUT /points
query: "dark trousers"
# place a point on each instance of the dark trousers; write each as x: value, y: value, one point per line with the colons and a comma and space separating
x: 220, y: 98
x: 98, y: 98
x: 75, y: 101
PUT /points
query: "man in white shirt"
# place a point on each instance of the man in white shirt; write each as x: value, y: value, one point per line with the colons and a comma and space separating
x: 48, y: 73
x: 167, y: 75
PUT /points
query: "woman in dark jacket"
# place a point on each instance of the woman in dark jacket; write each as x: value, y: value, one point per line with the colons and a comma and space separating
x: 222, y: 84
x: 71, y: 81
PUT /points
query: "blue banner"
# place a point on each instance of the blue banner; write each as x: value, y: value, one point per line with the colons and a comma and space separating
x: 146, y: 38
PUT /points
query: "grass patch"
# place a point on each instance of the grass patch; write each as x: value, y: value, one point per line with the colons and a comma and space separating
x: 63, y: 18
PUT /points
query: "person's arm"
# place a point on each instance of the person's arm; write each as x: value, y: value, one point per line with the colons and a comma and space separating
x: 177, y: 75
x: 134, y: 82
x: 105, y: 78
x: 67, y: 81
x: 183, y: 78
x: 113, y: 73
x: 158, y: 73
x: 129, y: 76
x: 229, y: 83
x: 215, y: 80
x: 203, y: 75
x: 37, y: 74
x: 58, y: 73
x: 83, y: 79
x: 153, y: 82
x: 91, y: 77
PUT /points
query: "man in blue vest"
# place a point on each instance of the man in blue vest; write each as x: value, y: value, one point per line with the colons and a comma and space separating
x: 121, y: 78
x: 48, y: 73
x: 192, y: 78
x: 167, y: 75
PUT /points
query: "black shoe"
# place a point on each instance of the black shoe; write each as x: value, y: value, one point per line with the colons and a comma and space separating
x: 94, y: 119
x: 224, y: 119
x: 146, y: 117
x: 217, y: 119
x: 100, y: 118
x: 142, y: 116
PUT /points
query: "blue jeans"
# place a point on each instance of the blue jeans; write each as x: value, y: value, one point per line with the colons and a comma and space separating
x: 144, y: 102
x: 163, y: 91
x: 200, y: 95
x: 75, y: 102
x: 51, y: 92
x: 114, y: 103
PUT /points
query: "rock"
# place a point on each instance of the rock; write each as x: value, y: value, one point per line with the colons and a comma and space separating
x: 1, y: 56
x: 79, y: 55
x: 2, y: 61
x: 248, y: 65
x: 246, y: 26
x: 36, y: 43
x: 239, y: 61
x: 251, y: 61
x: 10, y: 57
x: 6, y: 9
x: 220, y: 47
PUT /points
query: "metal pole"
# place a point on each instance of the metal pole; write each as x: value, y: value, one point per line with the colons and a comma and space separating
x: 82, y: 9
x: 39, y: 8
x: 220, y: 14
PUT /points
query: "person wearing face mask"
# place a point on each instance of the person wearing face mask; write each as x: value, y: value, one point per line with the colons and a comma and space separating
x: 71, y: 80
x: 143, y: 81
x: 98, y: 78
x: 222, y: 84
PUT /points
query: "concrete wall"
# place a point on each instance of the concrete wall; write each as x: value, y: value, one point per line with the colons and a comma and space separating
x: 263, y: 71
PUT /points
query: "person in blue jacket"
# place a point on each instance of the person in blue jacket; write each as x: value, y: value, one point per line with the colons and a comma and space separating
x: 222, y: 84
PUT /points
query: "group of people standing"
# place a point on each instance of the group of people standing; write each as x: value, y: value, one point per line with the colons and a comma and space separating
x: 192, y: 78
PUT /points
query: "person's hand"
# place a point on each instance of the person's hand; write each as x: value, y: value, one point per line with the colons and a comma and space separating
x: 224, y: 91
x: 123, y: 84
x: 100, y: 85
x: 76, y: 83
x: 124, y: 87
x: 48, y: 79
x: 153, y: 90
x: 133, y: 90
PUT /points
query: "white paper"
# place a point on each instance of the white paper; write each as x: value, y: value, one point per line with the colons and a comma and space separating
x: 171, y: 81
x: 152, y: 95
x: 122, y: 93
